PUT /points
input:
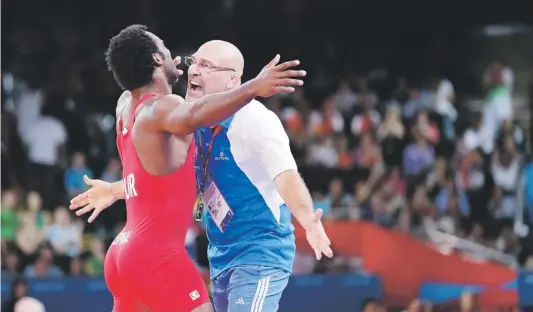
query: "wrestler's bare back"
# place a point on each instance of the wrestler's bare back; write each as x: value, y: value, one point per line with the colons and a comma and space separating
x: 160, y: 152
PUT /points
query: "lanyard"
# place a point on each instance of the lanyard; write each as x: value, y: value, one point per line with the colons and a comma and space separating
x: 205, y: 158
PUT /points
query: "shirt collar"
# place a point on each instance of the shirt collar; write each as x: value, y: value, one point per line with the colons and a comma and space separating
x: 225, y: 124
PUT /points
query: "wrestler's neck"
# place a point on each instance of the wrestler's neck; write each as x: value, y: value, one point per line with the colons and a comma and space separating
x: 159, y: 86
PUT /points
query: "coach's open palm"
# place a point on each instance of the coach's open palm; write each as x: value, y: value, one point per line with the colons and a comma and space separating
x: 317, y: 237
x: 97, y: 198
x: 276, y: 78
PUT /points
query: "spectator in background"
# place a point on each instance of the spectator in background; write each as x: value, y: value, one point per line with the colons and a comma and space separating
x: 390, y: 135
x: 378, y: 211
x: 292, y: 119
x: 74, y: 176
x: 508, y: 241
x: 43, y: 266
x: 75, y: 267
x: 320, y: 202
x: 46, y: 140
x: 475, y: 180
x: 19, y: 289
x: 323, y: 153
x: 64, y: 235
x: 509, y: 145
x: 505, y: 173
x: 34, y: 205
x: 498, y: 108
x: 444, y: 107
x: 417, y: 156
x: 345, y: 161
x: 362, y: 195
x: 368, y: 154
x: 326, y: 122
x: 450, y: 192
x: 9, y: 217
x: 298, y: 135
x: 28, y: 111
x: 366, y: 118
x: 512, y: 132
x: 393, y: 197
x: 337, y: 201
x: 10, y: 264
x: 395, y: 181
x: 365, y: 96
x: 437, y: 175
x: 508, y: 78
x: 413, y: 104
x: 30, y: 237
x: 94, y: 264
x: 450, y: 219
x: 13, y: 161
x: 113, y: 171
x: 472, y: 137
x: 344, y: 99
x: 429, y: 130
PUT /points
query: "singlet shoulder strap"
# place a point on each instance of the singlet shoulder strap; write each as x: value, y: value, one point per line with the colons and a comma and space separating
x: 134, y: 110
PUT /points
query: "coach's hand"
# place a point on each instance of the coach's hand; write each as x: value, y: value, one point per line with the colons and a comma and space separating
x: 317, y: 237
x: 97, y: 198
x: 274, y: 78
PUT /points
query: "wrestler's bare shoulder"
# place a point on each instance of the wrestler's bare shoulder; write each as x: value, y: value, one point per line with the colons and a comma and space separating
x: 167, y: 104
x: 123, y: 101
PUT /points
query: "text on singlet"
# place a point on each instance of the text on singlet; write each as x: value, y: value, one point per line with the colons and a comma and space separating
x: 129, y: 186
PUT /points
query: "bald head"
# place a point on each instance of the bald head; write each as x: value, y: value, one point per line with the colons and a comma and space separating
x: 217, y: 67
x: 222, y: 53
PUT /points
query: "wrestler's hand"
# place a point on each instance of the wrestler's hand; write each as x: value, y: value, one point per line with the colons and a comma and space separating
x: 97, y: 198
x: 274, y: 78
x: 317, y: 237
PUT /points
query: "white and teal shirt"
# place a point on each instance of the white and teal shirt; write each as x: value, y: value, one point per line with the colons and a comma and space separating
x: 498, y: 107
x: 251, y: 149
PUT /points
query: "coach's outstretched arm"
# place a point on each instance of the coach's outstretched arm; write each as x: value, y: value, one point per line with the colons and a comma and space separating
x: 271, y: 144
x: 176, y: 116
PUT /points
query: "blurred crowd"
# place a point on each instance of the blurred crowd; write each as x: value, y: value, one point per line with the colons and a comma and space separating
x: 402, y: 163
x: 406, y: 164
x: 404, y: 153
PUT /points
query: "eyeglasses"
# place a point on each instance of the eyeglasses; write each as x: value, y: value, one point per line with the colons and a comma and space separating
x: 190, y: 60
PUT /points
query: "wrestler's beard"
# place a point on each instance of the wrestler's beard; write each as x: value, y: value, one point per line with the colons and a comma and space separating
x: 172, y: 79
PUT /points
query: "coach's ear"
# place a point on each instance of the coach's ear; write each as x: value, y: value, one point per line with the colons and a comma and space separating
x: 234, y: 82
x: 157, y: 58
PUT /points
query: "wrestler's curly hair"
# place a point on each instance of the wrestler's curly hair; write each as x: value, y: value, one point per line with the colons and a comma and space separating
x: 129, y: 57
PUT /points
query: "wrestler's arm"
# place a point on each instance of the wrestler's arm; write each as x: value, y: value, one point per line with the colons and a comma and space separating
x: 98, y: 197
x: 173, y: 114
x: 117, y: 189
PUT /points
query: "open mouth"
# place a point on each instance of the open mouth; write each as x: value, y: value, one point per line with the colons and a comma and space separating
x: 195, y: 86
